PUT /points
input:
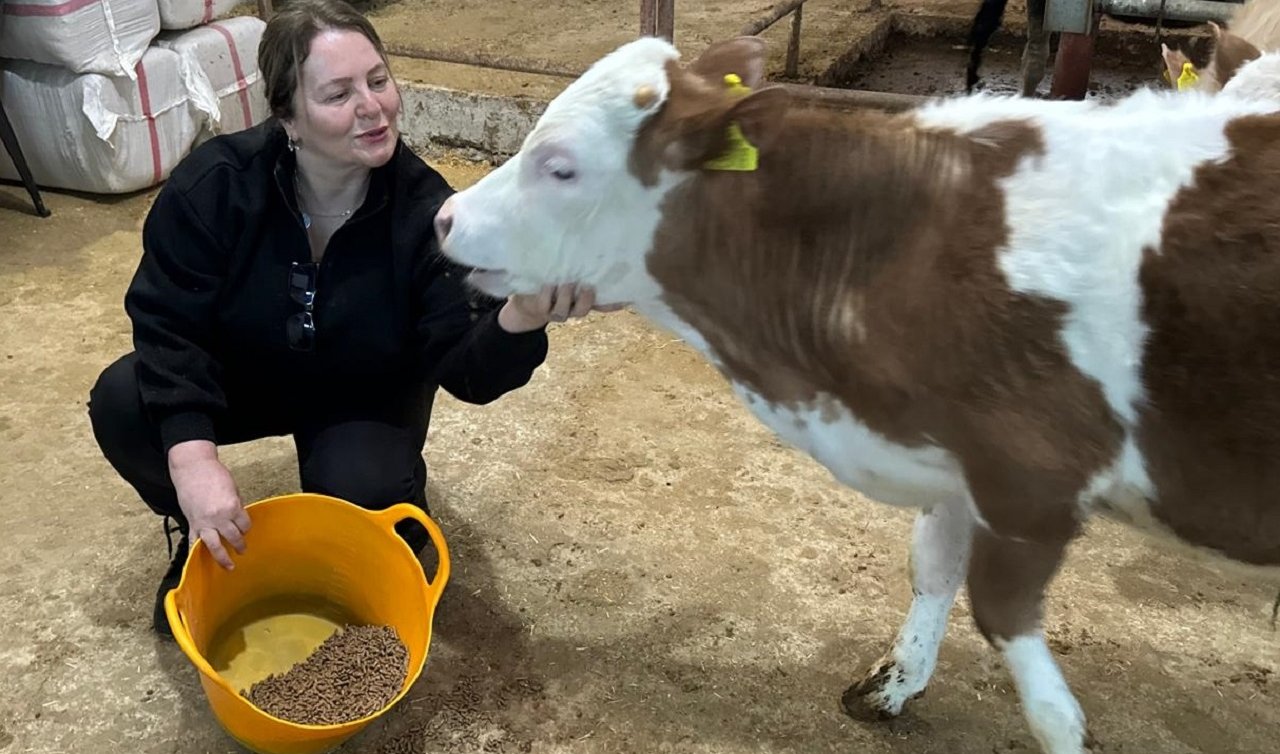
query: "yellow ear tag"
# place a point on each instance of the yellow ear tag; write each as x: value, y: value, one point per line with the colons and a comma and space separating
x: 739, y: 154
x: 1188, y: 78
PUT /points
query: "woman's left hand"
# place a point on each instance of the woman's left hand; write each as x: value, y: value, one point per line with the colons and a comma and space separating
x: 523, y: 313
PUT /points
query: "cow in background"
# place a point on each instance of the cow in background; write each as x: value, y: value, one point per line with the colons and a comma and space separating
x: 1252, y: 32
x: 1035, y: 54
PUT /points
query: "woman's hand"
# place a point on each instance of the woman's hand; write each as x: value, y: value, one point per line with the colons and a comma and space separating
x: 523, y: 313
x: 209, y: 499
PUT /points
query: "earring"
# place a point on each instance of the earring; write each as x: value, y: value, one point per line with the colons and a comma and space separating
x: 293, y: 144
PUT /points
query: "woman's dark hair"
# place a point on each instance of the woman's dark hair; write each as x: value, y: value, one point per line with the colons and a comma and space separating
x: 287, y: 40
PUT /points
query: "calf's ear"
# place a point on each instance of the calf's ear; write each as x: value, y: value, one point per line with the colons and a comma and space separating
x: 730, y: 136
x: 1230, y: 51
x: 742, y: 56
x: 760, y: 115
x: 1173, y: 60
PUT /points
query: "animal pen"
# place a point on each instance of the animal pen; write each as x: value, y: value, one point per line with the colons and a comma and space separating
x: 1075, y: 20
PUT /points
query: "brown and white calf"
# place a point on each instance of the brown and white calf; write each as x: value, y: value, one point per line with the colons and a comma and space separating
x: 1010, y: 313
x: 1244, y: 59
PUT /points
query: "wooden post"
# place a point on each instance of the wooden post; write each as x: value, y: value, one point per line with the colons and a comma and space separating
x: 658, y: 19
x: 793, y: 44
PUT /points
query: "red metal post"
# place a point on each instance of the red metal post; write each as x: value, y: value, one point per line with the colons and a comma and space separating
x: 1073, y: 65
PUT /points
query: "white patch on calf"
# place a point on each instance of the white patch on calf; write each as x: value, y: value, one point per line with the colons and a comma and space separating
x: 1257, y: 79
x: 1051, y: 710
x: 566, y: 208
x: 1082, y: 214
x: 824, y: 429
x: 1123, y: 491
x: 1070, y: 237
x: 859, y: 457
x: 940, y: 543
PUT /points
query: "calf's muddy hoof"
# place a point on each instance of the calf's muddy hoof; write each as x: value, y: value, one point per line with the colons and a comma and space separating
x: 878, y: 696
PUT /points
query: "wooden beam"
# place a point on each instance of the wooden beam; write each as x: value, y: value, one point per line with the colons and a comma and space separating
x: 658, y: 19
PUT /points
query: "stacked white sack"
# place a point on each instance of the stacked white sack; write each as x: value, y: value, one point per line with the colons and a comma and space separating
x: 102, y: 134
x: 221, y: 60
x: 84, y: 36
x: 183, y: 14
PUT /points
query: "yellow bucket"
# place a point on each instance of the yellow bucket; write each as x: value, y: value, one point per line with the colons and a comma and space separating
x: 302, y: 548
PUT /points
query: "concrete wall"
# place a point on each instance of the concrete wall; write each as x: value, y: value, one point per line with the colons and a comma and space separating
x: 486, y: 125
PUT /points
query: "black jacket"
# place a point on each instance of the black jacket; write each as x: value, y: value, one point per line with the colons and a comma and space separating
x: 210, y: 298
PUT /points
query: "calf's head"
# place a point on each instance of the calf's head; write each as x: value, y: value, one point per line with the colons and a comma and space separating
x: 1230, y: 52
x: 580, y: 201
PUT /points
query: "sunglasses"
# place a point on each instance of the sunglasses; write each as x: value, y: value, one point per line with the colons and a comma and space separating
x: 301, y: 327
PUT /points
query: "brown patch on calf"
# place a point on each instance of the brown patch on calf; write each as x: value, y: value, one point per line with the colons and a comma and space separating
x: 869, y: 215
x: 1210, y: 431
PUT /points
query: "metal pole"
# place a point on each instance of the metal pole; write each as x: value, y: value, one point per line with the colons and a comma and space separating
x: 658, y: 19
x: 777, y: 13
x: 1174, y: 10
x: 11, y: 145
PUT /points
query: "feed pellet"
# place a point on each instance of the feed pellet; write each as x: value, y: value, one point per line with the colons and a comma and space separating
x: 355, y: 672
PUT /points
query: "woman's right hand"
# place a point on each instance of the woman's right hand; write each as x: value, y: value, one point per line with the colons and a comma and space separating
x: 208, y: 497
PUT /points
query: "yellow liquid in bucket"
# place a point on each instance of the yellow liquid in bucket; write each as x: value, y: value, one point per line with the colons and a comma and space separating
x: 272, y: 636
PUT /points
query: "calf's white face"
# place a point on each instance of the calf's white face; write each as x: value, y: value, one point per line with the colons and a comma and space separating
x: 565, y: 208
x: 580, y: 201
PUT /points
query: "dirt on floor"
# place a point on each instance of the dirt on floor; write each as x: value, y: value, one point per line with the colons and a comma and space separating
x: 639, y: 566
x: 574, y: 34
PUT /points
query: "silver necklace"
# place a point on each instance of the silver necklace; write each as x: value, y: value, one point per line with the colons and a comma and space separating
x: 306, y: 216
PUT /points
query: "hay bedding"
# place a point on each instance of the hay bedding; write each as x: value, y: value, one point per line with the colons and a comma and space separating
x: 355, y: 672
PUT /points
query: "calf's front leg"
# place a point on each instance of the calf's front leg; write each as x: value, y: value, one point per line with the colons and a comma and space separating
x: 939, y: 553
x: 1007, y: 579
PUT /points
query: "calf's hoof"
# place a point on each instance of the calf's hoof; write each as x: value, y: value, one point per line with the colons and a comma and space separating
x: 881, y: 695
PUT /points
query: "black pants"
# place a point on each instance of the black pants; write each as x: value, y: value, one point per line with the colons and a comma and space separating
x: 369, y: 453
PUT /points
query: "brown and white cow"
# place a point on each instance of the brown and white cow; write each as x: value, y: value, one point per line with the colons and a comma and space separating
x: 1244, y: 58
x: 1009, y: 313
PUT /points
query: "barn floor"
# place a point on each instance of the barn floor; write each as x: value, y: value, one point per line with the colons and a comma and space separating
x: 638, y: 565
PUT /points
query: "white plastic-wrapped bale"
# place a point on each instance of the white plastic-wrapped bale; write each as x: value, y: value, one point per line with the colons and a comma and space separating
x: 84, y: 36
x: 102, y: 134
x: 183, y: 14
x: 221, y: 59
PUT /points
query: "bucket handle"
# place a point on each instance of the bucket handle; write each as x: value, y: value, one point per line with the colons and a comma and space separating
x: 182, y: 635
x: 389, y: 517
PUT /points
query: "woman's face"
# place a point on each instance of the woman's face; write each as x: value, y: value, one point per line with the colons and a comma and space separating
x: 346, y: 104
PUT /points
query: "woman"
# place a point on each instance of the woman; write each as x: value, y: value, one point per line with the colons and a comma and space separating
x: 289, y: 285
